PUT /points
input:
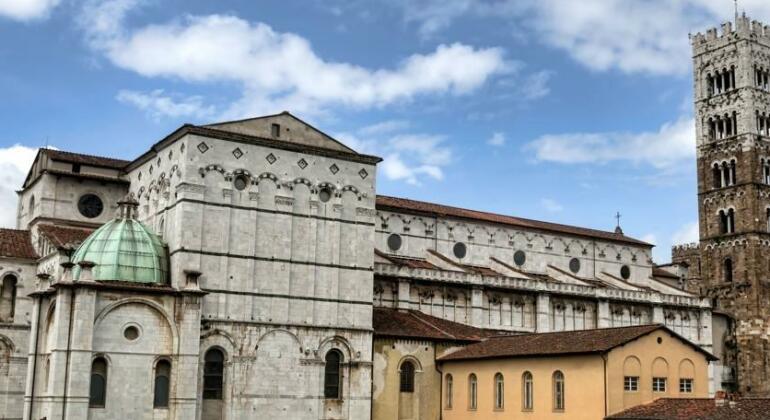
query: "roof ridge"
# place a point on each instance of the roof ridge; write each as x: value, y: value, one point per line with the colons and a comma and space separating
x: 46, y: 150
x: 413, y: 314
x: 656, y: 325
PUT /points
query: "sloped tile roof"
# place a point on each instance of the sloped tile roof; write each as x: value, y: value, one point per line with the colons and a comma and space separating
x: 61, y: 236
x: 414, y: 324
x: 559, y: 343
x: 438, y: 210
x: 410, y: 262
x: 697, y: 409
x: 16, y: 244
x: 90, y: 160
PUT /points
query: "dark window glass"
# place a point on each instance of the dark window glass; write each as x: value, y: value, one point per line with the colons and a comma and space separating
x: 162, y: 381
x: 90, y: 206
x: 728, y: 270
x: 460, y: 250
x: 241, y: 182
x: 407, y: 377
x: 213, y: 374
x: 332, y: 376
x: 574, y: 265
x: 394, y: 242
x: 7, y: 298
x: 98, y: 388
x: 519, y: 257
x: 625, y: 272
x: 275, y: 129
x: 325, y: 195
x: 76, y: 168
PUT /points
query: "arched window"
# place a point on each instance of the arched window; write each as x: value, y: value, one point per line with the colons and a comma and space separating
x: 31, y: 205
x: 527, y: 392
x: 162, y: 383
x: 499, y: 391
x: 332, y: 375
x: 7, y: 298
x: 728, y: 270
x: 717, y: 174
x: 213, y: 374
x: 97, y: 396
x: 731, y: 221
x: 473, y: 392
x: 449, y: 387
x: 407, y: 377
x: 558, y: 390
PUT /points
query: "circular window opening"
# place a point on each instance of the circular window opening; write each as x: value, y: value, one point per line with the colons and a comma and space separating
x: 625, y: 272
x: 460, y: 250
x: 131, y: 333
x: 325, y: 195
x: 394, y: 242
x: 241, y: 182
x: 660, y: 340
x: 519, y: 257
x: 574, y: 265
x: 90, y: 206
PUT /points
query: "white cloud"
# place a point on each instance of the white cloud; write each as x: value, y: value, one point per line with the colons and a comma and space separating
x: 25, y: 10
x: 15, y: 161
x: 535, y: 85
x: 157, y: 104
x: 406, y: 157
x: 278, y: 70
x: 686, y: 234
x: 650, y: 238
x: 551, y: 205
x: 497, y: 139
x: 670, y: 145
x: 384, y: 127
x: 632, y: 36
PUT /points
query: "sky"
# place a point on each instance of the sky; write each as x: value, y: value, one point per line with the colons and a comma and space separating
x: 554, y: 110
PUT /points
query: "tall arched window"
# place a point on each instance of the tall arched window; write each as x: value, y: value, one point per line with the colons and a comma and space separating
x: 449, y: 387
x: 407, y: 377
x: 332, y: 375
x: 162, y: 383
x: 527, y: 392
x: 31, y: 205
x: 499, y: 391
x: 473, y: 392
x: 7, y: 298
x: 558, y: 390
x: 97, y: 396
x: 213, y: 374
x: 728, y: 270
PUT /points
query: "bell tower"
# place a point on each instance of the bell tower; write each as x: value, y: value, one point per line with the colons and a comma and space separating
x: 732, y: 105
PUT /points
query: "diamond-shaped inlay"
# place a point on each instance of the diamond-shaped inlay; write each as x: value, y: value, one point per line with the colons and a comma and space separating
x: 363, y: 174
x: 302, y: 163
x: 271, y: 158
x: 203, y: 147
x: 237, y: 153
x: 334, y: 168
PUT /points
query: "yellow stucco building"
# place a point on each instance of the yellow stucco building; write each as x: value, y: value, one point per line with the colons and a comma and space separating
x: 572, y: 375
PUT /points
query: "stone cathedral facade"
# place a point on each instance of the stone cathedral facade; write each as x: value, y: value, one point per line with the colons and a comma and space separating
x: 731, y: 264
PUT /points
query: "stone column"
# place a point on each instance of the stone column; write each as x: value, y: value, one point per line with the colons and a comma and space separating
x: 543, y: 320
x: 603, y: 316
x: 183, y: 401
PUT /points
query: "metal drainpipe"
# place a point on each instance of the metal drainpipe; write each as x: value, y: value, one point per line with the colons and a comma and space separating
x: 34, y: 357
x: 604, y: 360
x: 441, y: 384
x: 69, y: 347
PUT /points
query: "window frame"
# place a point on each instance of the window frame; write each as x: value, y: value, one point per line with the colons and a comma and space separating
x: 219, y: 393
x: 473, y: 392
x: 527, y: 391
x: 406, y: 376
x: 686, y: 385
x: 499, y: 394
x: 93, y: 401
x: 330, y: 372
x: 656, y: 384
x: 559, y: 395
x: 158, y: 374
x: 630, y: 384
x: 449, y: 391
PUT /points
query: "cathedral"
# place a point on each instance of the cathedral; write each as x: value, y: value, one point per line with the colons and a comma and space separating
x: 249, y: 269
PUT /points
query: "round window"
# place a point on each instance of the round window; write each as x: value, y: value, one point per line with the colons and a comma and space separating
x: 325, y: 195
x: 131, y: 333
x: 574, y: 265
x: 625, y: 272
x: 394, y: 242
x: 241, y: 182
x: 460, y: 250
x: 90, y: 206
x: 519, y: 257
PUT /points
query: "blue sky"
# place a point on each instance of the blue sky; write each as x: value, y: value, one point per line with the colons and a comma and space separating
x: 551, y: 109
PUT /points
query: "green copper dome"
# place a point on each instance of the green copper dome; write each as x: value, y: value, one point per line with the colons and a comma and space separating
x: 124, y: 250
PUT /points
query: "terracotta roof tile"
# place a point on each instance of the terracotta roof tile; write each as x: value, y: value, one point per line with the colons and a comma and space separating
x: 438, y: 210
x: 16, y: 244
x: 566, y: 342
x: 410, y: 262
x: 697, y: 409
x: 71, y: 157
x: 659, y: 272
x: 415, y: 324
x: 62, y: 236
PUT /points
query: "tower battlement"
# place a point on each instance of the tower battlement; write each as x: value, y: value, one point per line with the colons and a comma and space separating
x: 744, y: 28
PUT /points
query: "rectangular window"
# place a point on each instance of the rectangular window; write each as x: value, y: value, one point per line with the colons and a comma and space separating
x: 275, y: 130
x: 631, y: 383
x: 658, y: 384
x: 685, y: 385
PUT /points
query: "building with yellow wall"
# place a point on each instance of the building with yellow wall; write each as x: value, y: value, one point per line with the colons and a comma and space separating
x: 572, y: 375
